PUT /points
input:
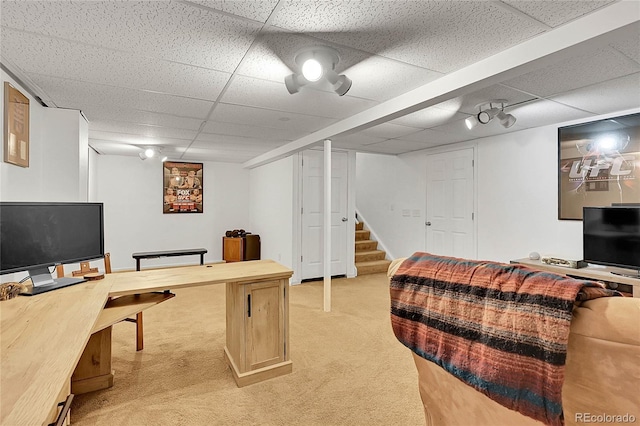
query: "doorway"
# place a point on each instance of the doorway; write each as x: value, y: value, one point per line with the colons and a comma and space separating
x: 312, y: 205
x: 449, y: 225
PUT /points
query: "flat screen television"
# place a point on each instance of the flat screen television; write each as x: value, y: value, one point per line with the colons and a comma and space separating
x: 35, y: 236
x: 611, y: 236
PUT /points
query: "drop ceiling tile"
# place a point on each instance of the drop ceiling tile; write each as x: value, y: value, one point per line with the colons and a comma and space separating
x: 629, y: 46
x: 226, y: 156
x: 575, y: 72
x: 554, y: 13
x: 353, y: 141
x: 142, y: 130
x: 429, y: 117
x: 434, y: 137
x: 271, y: 95
x: 139, y: 140
x: 389, y: 131
x: 76, y: 94
x: 240, y: 114
x: 251, y: 9
x: 543, y: 113
x: 150, y: 28
x: 247, y: 130
x: 396, y: 146
x: 440, y: 36
x: 381, y: 79
x: 107, y: 147
x: 610, y: 96
x: 115, y: 148
x: 71, y: 60
x: 125, y: 115
x: 234, y: 142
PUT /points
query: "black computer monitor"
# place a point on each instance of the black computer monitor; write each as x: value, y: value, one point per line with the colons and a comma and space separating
x: 35, y: 236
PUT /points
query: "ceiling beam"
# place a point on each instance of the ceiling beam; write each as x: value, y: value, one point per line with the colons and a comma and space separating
x: 567, y: 40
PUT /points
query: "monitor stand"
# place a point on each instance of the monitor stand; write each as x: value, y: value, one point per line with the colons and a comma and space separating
x: 43, y: 282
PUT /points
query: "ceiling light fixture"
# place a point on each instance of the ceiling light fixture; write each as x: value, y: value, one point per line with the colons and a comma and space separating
x: 317, y: 63
x: 149, y: 153
x: 489, y: 111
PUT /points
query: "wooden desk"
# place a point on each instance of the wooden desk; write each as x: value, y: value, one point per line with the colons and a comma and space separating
x: 42, y: 337
x: 603, y: 274
x: 41, y: 340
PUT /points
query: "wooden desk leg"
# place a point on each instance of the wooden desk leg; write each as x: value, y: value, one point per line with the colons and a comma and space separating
x: 139, y: 332
x: 93, y: 371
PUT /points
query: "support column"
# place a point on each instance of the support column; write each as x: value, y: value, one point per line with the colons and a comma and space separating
x: 327, y: 225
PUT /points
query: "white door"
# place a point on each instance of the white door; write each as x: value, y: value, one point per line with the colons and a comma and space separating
x: 312, y: 214
x: 450, y: 195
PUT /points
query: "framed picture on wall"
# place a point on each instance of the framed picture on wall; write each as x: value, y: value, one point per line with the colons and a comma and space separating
x: 182, y: 187
x: 598, y: 165
x: 16, y: 126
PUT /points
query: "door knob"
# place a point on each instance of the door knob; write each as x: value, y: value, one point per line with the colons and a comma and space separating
x: 428, y: 223
x: 344, y: 219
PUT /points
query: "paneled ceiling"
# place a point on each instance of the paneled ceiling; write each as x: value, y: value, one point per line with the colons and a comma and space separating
x: 204, y: 80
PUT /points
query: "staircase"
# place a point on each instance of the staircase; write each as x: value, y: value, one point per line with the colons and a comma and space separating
x: 369, y: 260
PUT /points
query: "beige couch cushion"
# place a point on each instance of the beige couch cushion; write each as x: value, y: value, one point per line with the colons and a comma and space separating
x: 602, y: 373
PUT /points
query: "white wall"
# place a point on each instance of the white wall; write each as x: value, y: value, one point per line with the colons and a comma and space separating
x: 516, y: 197
x: 132, y: 191
x: 387, y: 185
x: 58, y: 144
x: 271, y: 209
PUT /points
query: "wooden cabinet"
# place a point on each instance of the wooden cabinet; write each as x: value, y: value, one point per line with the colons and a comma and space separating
x: 257, y: 330
x: 237, y: 249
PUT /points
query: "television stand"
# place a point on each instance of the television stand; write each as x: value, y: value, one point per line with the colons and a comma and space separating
x: 614, y: 278
x: 623, y: 274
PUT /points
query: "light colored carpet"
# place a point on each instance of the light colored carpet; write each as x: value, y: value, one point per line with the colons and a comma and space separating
x: 348, y: 368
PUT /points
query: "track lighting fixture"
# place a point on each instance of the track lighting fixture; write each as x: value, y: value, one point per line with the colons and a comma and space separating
x: 315, y: 64
x: 150, y: 153
x: 489, y: 111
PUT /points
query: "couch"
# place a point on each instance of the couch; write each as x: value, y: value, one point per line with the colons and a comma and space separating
x: 602, y: 373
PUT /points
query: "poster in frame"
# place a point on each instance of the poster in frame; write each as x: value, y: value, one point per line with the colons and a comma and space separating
x: 16, y: 126
x: 182, y: 187
x: 598, y: 164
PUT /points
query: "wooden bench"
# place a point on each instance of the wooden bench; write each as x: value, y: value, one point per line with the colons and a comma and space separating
x: 168, y: 253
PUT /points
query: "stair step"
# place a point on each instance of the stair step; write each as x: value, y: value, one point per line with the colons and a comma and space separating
x: 367, y: 256
x: 359, y: 226
x: 366, y: 245
x: 362, y: 235
x: 373, y: 267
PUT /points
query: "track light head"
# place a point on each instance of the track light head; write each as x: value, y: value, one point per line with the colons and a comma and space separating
x: 341, y: 83
x: 294, y: 82
x: 487, y: 115
x: 315, y: 64
x: 312, y: 70
x: 471, y: 122
x: 488, y: 111
x: 507, y: 120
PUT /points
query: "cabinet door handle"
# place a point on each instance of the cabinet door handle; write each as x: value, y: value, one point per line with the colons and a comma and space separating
x: 249, y: 305
x: 63, y: 413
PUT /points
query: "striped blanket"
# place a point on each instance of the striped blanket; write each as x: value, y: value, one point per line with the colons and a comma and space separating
x: 502, y: 329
